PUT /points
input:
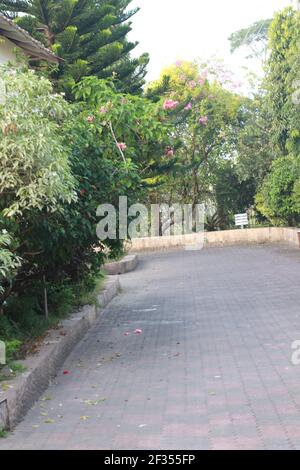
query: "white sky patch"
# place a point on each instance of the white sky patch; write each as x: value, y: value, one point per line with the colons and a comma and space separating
x: 197, y: 29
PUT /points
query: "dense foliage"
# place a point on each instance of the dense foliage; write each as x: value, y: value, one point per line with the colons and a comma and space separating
x: 35, y: 172
x: 59, y: 162
x: 192, y: 137
x: 254, y: 38
x: 269, y: 144
x: 90, y: 36
x: 278, y: 198
x: 206, y: 118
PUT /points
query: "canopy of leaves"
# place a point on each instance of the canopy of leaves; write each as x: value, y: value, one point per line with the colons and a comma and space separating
x: 34, y: 166
x: 89, y: 35
x: 105, y: 146
x: 279, y: 199
x: 9, y: 262
x: 255, y: 38
x: 205, y: 117
x: 282, y: 81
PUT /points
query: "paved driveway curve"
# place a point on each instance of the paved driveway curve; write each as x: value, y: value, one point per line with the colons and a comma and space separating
x: 211, y: 369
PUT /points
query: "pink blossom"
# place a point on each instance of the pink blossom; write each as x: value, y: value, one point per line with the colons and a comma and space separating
x: 138, y: 331
x: 169, y: 152
x: 201, y: 81
x: 90, y: 119
x: 188, y: 107
x: 103, y: 109
x: 237, y: 84
x: 203, y: 120
x: 122, y: 146
x: 205, y: 74
x: 170, y: 104
x: 192, y: 84
x: 178, y: 63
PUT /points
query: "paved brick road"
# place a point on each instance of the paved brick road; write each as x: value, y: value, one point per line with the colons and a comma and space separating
x: 211, y: 370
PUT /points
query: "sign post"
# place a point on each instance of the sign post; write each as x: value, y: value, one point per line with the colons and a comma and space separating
x: 241, y: 220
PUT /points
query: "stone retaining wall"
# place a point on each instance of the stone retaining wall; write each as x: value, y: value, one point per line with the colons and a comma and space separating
x: 222, y: 238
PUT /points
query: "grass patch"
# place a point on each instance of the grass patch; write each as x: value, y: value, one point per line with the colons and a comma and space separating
x: 3, y: 434
x: 16, y: 369
x: 90, y: 297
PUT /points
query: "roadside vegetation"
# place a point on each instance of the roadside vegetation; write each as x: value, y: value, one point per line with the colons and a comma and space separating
x: 89, y: 131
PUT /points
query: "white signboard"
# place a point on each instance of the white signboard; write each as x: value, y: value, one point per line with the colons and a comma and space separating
x: 241, y: 220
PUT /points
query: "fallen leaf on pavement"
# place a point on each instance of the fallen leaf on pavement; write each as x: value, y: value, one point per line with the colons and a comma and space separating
x: 93, y: 402
x: 48, y: 398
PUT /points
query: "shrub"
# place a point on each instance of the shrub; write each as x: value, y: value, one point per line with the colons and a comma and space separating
x: 35, y: 176
x: 279, y: 197
x: 60, y: 163
x: 34, y: 165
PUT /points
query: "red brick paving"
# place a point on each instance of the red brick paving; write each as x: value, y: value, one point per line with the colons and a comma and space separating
x: 211, y: 370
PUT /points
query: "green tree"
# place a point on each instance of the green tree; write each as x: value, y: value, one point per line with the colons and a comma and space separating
x: 35, y: 172
x: 205, y: 117
x: 104, y: 146
x: 282, y: 81
x: 233, y: 195
x: 255, y: 151
x: 254, y: 38
x: 116, y: 141
x: 89, y: 35
x: 278, y: 199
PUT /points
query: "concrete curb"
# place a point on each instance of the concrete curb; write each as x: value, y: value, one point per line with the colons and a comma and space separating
x: 127, y: 264
x: 43, y: 366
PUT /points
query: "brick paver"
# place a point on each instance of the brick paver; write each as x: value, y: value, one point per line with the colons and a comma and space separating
x: 211, y: 370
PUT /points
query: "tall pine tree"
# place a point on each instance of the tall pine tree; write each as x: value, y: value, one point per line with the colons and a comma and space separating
x: 89, y: 35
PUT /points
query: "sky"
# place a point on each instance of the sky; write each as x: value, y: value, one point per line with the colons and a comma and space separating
x: 171, y: 30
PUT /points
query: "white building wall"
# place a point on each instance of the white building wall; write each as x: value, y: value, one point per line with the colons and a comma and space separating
x: 7, y: 53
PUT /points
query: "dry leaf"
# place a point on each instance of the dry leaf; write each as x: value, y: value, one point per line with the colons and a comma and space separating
x: 48, y: 398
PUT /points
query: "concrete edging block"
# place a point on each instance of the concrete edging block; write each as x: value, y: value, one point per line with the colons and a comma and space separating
x: 125, y: 265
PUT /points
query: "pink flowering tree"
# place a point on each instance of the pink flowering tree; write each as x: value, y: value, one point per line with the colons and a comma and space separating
x: 204, y: 114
